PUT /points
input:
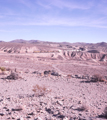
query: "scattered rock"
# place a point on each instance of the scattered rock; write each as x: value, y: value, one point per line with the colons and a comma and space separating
x: 18, y: 108
x: 105, y: 77
x: 49, y: 110
x: 60, y: 102
x: 1, y: 114
x: 31, y: 113
x: 38, y: 118
x: 47, y: 72
x: 82, y: 108
x: 54, y: 73
x: 51, y: 72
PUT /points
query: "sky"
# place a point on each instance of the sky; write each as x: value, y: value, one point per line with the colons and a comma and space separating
x: 54, y: 20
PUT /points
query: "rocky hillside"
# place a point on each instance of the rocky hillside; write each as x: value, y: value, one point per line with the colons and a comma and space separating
x: 16, y: 48
x: 85, y: 56
x: 62, y: 51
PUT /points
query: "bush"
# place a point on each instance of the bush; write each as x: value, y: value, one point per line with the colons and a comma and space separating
x: 69, y: 76
x: 98, y: 78
x: 40, y: 90
x: 2, y: 68
x: 13, y: 76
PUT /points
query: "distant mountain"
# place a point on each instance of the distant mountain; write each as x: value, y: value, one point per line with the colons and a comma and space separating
x: 102, y: 44
x: 65, y: 43
x: 1, y: 41
x: 34, y: 41
x: 25, y: 41
x: 18, y: 41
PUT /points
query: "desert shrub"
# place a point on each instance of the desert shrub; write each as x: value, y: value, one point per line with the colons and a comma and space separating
x: 98, y: 78
x: 2, y: 68
x: 51, y: 72
x: 47, y: 72
x: 13, y: 76
x: 40, y: 90
x: 69, y: 76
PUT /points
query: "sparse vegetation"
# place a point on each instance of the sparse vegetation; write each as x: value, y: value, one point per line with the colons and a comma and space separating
x: 98, y: 78
x: 40, y: 90
x: 69, y: 76
x: 2, y: 69
x: 13, y: 76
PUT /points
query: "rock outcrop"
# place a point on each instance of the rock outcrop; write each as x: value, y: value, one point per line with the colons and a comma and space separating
x: 85, y: 56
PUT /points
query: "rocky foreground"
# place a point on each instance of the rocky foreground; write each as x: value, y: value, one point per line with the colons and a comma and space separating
x: 28, y: 95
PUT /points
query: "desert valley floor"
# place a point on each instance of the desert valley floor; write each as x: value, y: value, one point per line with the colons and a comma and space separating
x: 52, y: 86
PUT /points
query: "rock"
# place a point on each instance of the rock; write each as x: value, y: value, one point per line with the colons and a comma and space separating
x: 66, y: 118
x: 31, y: 113
x: 60, y: 102
x: 79, y: 102
x: 51, y: 72
x: 21, y: 118
x: 18, y: 108
x: 49, y: 110
x: 60, y: 115
x: 85, y: 77
x: 105, y: 77
x: 6, y: 72
x: 35, y: 72
x: 1, y: 100
x: 73, y: 76
x: 28, y: 117
x: 1, y: 114
x: 38, y: 118
x: 82, y: 108
x: 78, y: 76
x: 47, y: 72
x: 54, y: 73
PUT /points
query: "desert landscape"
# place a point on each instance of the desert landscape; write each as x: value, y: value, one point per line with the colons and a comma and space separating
x: 53, y: 81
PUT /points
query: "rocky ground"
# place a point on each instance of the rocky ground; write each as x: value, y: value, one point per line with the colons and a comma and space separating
x: 33, y: 89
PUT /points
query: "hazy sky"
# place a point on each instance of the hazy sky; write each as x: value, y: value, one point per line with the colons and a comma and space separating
x: 54, y: 20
